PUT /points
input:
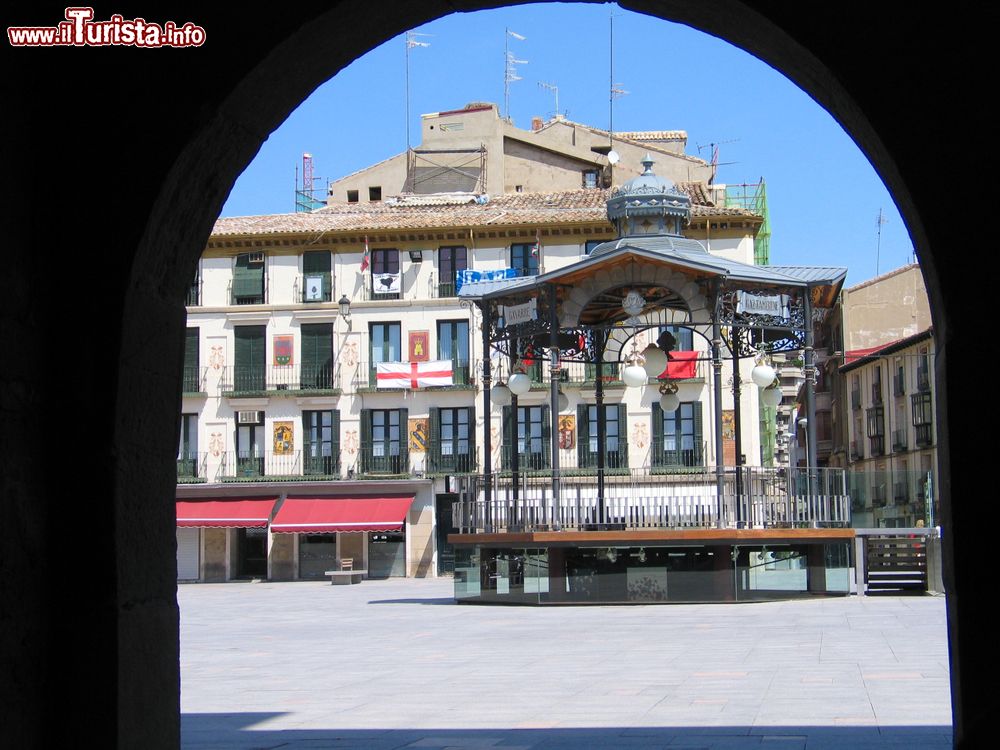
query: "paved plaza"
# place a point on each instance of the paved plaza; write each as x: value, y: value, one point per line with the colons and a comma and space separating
x: 396, y: 664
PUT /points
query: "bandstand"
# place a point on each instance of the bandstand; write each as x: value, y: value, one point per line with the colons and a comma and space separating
x: 664, y: 531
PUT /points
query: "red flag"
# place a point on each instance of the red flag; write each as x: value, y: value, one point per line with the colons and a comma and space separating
x: 364, y: 258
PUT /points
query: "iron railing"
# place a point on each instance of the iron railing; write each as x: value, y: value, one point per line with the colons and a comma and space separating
x: 191, y: 467
x: 247, y: 292
x: 925, y: 435
x: 305, y: 292
x: 639, y: 499
x: 194, y: 379
x: 301, y: 377
x: 384, y: 458
x: 250, y: 466
x: 194, y: 293
x: 452, y: 463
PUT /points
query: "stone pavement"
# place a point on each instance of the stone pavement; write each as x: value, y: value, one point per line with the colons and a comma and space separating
x: 395, y: 664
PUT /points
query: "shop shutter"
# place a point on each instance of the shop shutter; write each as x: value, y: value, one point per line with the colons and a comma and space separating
x: 188, y: 554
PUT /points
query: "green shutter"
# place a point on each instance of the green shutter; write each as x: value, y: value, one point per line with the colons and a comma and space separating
x: 508, y: 438
x: 698, y: 445
x: 434, y: 440
x: 317, y: 355
x: 583, y: 457
x: 546, y: 438
x: 404, y: 440
x: 316, y: 261
x: 248, y: 280
x: 657, y: 415
x: 622, y: 436
x: 472, y: 440
x: 250, y: 357
x: 192, y: 379
x: 366, y: 441
x: 335, y: 441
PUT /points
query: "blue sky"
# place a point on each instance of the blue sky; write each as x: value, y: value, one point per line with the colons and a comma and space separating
x: 824, y: 195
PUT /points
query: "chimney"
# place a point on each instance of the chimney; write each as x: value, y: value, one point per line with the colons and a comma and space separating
x: 536, y: 123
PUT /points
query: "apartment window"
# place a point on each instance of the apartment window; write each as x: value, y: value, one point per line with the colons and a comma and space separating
x: 248, y: 279
x: 677, y: 435
x: 317, y: 279
x: 855, y: 392
x: 451, y: 260
x: 898, y: 377
x: 316, y: 369
x: 352, y: 196
x: 251, y: 358
x: 321, y: 443
x: 923, y: 371
x: 876, y: 429
x: 532, y: 439
x: 877, y: 384
x: 194, y: 291
x: 187, y: 449
x: 923, y: 417
x: 384, y: 448
x: 615, y: 436
x: 452, y: 435
x: 375, y: 193
x: 683, y: 337
x: 386, y: 279
x: 250, y: 444
x: 384, y: 346
x: 453, y: 344
x: 192, y: 365
x: 589, y: 245
x: 590, y: 178
x: 524, y: 259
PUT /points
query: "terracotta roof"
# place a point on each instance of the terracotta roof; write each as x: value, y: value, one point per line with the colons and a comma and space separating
x: 697, y: 192
x: 514, y: 209
x: 857, y: 357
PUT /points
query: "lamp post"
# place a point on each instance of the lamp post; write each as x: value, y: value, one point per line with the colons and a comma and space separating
x: 804, y: 424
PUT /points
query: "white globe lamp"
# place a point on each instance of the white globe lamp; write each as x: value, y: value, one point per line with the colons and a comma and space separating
x: 656, y: 360
x: 519, y: 383
x: 771, y: 397
x: 669, y: 402
x: 635, y: 376
x: 500, y: 394
x: 762, y: 375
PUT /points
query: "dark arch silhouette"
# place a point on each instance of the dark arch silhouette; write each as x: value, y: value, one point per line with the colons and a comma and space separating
x: 117, y: 161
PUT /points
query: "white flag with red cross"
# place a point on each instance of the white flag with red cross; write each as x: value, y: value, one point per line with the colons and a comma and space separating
x: 414, y: 375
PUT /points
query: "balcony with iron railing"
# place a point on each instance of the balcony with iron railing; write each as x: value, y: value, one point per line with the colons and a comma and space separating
x: 878, y: 494
x: 383, y: 460
x: 193, y: 298
x: 923, y: 379
x: 313, y: 288
x: 439, y: 462
x: 193, y: 380
x: 639, y: 499
x: 278, y: 380
x: 900, y: 493
x: 362, y: 377
x: 924, y: 435
x: 192, y: 467
x: 855, y: 450
x: 271, y: 466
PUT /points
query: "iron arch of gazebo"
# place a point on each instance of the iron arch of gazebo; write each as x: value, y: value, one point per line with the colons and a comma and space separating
x: 572, y: 328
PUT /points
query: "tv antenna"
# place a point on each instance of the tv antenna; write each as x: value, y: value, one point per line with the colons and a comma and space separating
x: 715, y: 163
x: 879, y: 221
x: 554, y: 89
x: 509, y: 71
x: 411, y: 41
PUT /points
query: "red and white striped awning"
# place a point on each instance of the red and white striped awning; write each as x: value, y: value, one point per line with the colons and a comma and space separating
x: 322, y: 515
x: 251, y: 513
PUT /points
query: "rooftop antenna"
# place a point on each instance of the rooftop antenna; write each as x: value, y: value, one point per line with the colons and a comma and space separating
x: 615, y: 91
x: 411, y: 41
x: 879, y: 221
x: 509, y: 72
x: 554, y: 89
x: 715, y: 163
x: 305, y: 194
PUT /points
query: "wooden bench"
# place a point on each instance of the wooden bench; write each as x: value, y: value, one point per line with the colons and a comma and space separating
x: 346, y: 574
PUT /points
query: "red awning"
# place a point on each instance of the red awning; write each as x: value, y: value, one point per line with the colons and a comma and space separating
x: 228, y: 514
x: 326, y: 515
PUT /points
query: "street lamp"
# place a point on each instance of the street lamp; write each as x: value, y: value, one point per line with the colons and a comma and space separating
x: 345, y: 307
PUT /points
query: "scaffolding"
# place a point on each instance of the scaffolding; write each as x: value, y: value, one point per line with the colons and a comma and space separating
x: 305, y: 192
x: 753, y: 197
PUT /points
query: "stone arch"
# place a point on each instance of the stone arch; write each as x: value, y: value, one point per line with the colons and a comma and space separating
x: 114, y: 674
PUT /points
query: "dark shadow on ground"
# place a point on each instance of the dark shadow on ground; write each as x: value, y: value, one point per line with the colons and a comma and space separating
x: 415, y: 600
x: 245, y: 731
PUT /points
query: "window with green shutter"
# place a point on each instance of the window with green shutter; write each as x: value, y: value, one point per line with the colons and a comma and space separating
x: 533, y: 437
x: 452, y: 440
x: 384, y: 441
x: 248, y: 279
x: 317, y: 356
x: 677, y: 435
x: 317, y: 279
x: 321, y: 443
x: 615, y: 441
x: 192, y: 365
x: 453, y: 344
x: 251, y: 358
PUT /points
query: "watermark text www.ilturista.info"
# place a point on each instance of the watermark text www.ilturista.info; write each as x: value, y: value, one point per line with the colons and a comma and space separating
x: 81, y: 30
